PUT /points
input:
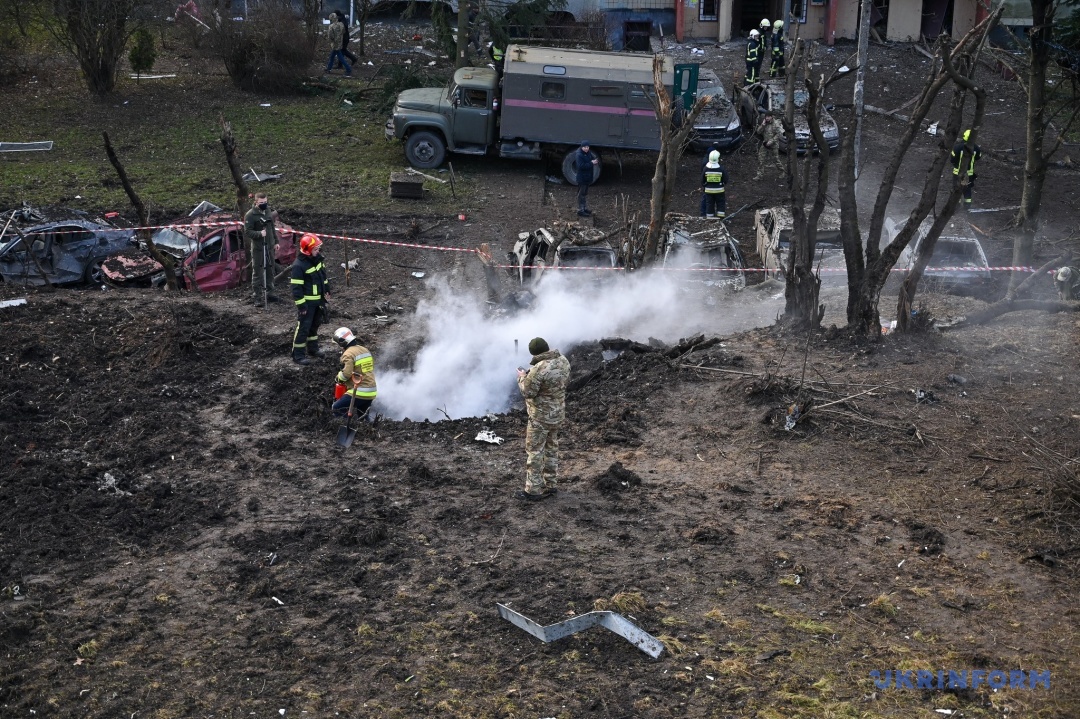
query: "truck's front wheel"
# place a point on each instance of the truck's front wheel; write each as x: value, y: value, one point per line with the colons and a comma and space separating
x: 425, y: 150
x: 569, y: 168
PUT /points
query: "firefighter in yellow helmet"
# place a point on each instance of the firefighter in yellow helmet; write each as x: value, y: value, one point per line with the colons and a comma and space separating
x: 964, y: 154
x: 309, y: 287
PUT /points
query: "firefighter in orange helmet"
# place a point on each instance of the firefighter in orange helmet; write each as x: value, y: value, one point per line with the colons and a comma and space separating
x: 309, y: 288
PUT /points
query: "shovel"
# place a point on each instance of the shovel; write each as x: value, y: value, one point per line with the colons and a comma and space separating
x: 346, y: 434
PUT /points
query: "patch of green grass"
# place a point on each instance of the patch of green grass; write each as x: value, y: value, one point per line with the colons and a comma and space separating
x: 333, y: 157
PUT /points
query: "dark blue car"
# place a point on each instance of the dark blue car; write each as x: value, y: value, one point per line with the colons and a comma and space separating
x: 66, y: 252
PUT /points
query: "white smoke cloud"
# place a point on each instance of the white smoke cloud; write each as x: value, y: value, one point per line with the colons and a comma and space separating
x: 467, y: 364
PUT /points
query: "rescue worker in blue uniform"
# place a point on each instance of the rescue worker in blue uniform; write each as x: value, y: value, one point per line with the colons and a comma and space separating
x: 712, y: 179
x: 753, y: 58
x: 309, y: 286
x: 964, y: 154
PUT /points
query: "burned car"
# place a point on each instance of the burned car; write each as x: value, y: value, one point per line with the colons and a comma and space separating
x: 210, y: 249
x: 958, y: 264
x: 562, y: 246
x: 717, y: 125
x: 704, y: 255
x: 67, y: 252
x: 773, y: 228
x: 768, y: 98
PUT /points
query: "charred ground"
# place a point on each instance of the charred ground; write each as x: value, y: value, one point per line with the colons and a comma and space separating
x: 186, y: 540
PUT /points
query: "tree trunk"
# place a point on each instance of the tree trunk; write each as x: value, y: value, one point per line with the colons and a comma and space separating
x: 673, y: 144
x: 462, y: 35
x: 229, y: 143
x: 167, y: 261
x: 1035, y: 165
x: 849, y: 221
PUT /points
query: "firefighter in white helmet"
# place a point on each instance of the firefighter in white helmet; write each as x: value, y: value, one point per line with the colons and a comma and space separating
x: 356, y: 376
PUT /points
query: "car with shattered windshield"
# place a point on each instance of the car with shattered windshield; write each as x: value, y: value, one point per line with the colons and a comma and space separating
x: 63, y: 252
x: 210, y: 250
x: 718, y: 125
x: 564, y: 246
x: 773, y: 229
x: 958, y: 264
x: 703, y: 256
x: 770, y: 98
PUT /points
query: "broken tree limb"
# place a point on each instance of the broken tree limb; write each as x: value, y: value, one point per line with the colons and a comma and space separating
x: 32, y: 256
x: 167, y: 261
x: 859, y: 394
x: 411, y: 171
x: 1005, y: 306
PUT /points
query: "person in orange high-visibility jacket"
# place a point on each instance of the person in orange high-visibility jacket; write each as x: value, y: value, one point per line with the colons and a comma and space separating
x: 356, y: 376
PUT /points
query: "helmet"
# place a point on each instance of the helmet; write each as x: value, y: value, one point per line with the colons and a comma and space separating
x: 343, y: 336
x: 310, y: 244
x: 967, y: 134
x: 778, y: 25
x: 764, y: 25
x: 714, y: 156
x: 754, y: 34
x: 1063, y: 274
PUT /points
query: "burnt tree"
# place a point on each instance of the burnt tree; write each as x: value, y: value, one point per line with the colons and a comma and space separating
x: 676, y: 127
x: 167, y: 261
x: 1040, y: 113
x: 863, y: 316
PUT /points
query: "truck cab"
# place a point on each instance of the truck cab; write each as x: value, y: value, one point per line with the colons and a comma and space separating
x: 460, y: 118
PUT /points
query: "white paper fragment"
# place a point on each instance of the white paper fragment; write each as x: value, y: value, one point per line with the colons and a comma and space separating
x: 489, y: 436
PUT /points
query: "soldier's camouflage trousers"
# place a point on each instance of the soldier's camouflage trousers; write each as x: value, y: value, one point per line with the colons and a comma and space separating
x: 542, y: 457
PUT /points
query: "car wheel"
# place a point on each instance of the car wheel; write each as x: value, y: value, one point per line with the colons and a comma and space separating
x: 425, y: 150
x: 569, y: 168
x: 93, y: 274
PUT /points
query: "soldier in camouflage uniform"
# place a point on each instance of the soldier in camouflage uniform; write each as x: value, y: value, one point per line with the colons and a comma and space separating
x: 770, y: 143
x: 544, y: 389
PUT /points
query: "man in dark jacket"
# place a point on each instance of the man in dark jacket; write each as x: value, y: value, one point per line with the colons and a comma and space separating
x: 309, y: 285
x: 584, y: 162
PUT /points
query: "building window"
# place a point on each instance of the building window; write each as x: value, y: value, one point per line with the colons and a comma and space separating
x: 552, y: 90
x: 707, y: 10
x: 798, y: 10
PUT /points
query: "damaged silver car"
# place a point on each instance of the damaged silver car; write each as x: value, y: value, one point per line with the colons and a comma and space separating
x: 773, y: 228
x: 770, y: 98
x: 958, y: 264
x: 704, y: 255
x: 562, y: 246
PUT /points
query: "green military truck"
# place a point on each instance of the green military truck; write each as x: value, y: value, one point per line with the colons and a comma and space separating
x: 549, y: 99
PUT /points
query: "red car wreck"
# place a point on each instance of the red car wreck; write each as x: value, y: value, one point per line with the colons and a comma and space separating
x: 209, y: 245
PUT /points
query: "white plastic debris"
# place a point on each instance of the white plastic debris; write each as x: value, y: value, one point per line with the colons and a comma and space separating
x: 13, y: 303
x: 418, y: 275
x: 264, y: 104
x: 353, y: 264
x: 946, y: 712
x: 843, y: 68
x: 490, y: 437
x: 282, y: 604
x: 932, y: 130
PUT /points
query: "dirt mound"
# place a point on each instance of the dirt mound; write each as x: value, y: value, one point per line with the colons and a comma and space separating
x: 616, y: 480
